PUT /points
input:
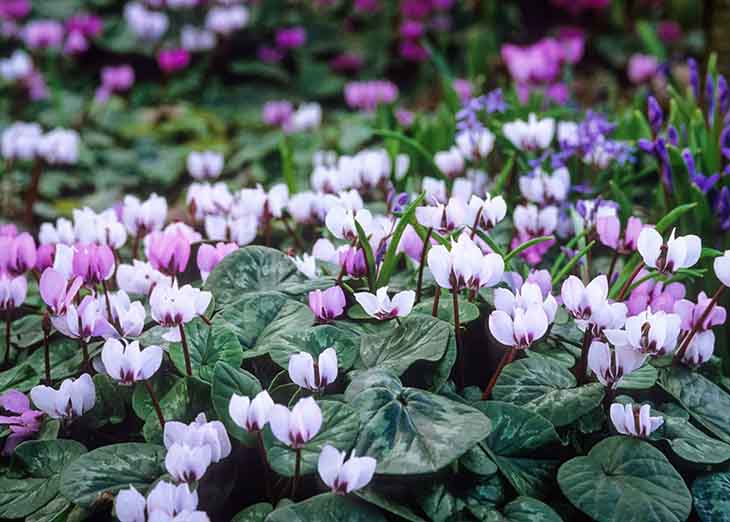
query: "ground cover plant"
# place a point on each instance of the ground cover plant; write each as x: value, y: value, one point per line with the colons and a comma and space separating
x: 415, y: 260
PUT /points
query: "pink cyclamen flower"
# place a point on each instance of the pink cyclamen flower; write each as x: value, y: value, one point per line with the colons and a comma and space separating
x: 13, y: 291
x: 652, y: 333
x: 629, y: 419
x: 187, y: 463
x: 200, y: 432
x: 677, y: 252
x: 344, y: 476
x: 382, y: 307
x: 291, y: 37
x: 57, y: 291
x: 93, y: 263
x: 721, y: 266
x: 14, y: 9
x: 296, y: 427
x: 657, y: 295
x: 172, y: 307
x: 168, y: 252
x: 307, y: 374
x: 72, y: 399
x: 173, y: 60
x: 277, y: 113
x: 464, y: 266
x: 43, y: 34
x: 270, y: 54
x: 642, y: 67
x: 209, y: 256
x: 84, y: 321
x: 86, y: 24
x: 692, y: 312
x: 17, y: 254
x: 251, y: 415
x: 327, y: 305
x: 368, y: 95
x: 127, y: 364
x: 24, y: 424
x: 669, y: 31
x: 608, y: 227
x: 522, y: 318
x: 117, y: 79
x: 610, y: 366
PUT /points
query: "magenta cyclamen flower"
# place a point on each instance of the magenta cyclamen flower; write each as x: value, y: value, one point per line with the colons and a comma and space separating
x: 24, y: 424
x: 277, y: 113
x: 17, y: 254
x: 209, y: 256
x: 12, y: 291
x: 57, y: 291
x: 608, y: 227
x: 43, y: 34
x: 93, y: 263
x: 14, y: 9
x: 173, y: 60
x: 368, y: 95
x: 291, y: 38
x: 168, y: 252
x: 327, y: 305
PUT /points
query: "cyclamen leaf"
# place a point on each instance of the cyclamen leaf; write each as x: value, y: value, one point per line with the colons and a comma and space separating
x: 208, y: 345
x: 712, y: 497
x: 327, y: 508
x: 624, y: 479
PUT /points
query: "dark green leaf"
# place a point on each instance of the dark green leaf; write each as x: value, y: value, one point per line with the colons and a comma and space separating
x: 712, y: 497
x: 255, y: 513
x: 624, y: 479
x: 208, y: 345
x: 315, y: 340
x: 327, y: 508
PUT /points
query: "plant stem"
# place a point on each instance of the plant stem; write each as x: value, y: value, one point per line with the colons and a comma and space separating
x: 8, y: 322
x: 46, y: 348
x: 293, y: 233
x: 424, y: 251
x: 708, y: 310
x: 155, y: 403
x: 611, y: 268
x: 265, y: 462
x: 436, y: 297
x: 582, y: 366
x: 108, y: 304
x: 459, y: 348
x: 628, y: 282
x: 507, y: 358
x: 85, y: 351
x: 297, y: 470
x: 186, y: 351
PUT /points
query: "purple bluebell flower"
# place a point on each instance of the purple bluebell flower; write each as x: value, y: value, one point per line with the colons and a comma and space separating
x: 704, y: 183
x: 694, y: 77
x: 723, y: 95
x: 673, y: 136
x: 656, y: 115
x: 722, y: 208
x: 725, y: 142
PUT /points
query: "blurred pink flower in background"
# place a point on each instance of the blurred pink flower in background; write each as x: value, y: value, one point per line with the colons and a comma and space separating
x: 462, y: 86
x: 14, y: 9
x: 669, y: 31
x: 291, y: 37
x: 576, y: 6
x: 173, y: 60
x: 368, y: 95
x: 346, y: 62
x: 43, y: 34
x: 270, y: 54
x: 642, y: 68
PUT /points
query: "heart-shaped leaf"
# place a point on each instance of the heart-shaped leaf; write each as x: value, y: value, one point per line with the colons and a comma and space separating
x: 111, y: 468
x: 188, y: 398
x: 255, y: 513
x: 418, y: 338
x: 408, y: 430
x: 208, y: 345
x: 315, y: 340
x: 340, y: 426
x: 543, y: 386
x: 328, y: 508
x: 624, y: 479
x: 257, y: 269
x: 524, y: 509
x: 706, y: 402
x: 692, y: 444
x: 516, y: 433
x: 228, y: 380
x: 263, y: 321
x: 468, y: 312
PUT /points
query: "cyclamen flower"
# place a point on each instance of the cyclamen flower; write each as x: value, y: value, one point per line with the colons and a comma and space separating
x: 210, y: 256
x: 173, y: 60
x: 344, y: 476
x: 327, y: 305
x: 172, y: 307
x: 128, y: 364
x: 581, y: 301
x: 531, y: 221
x: 382, y: 307
x: 57, y: 291
x: 305, y: 373
x: 522, y: 318
x: 676, y: 253
x: 443, y: 218
x: 341, y: 222
x: 629, y: 419
x: 199, y: 433
x: 721, y: 265
x: 610, y: 366
x: 655, y: 294
x: 20, y: 141
x: 691, y: 313
x: 165, y: 503
x: 306, y: 265
x: 544, y: 189
x: 128, y: 317
x: 205, y: 165
x: 73, y: 398
x: 62, y: 232
x: 103, y: 229
x: 12, y: 292
x: 464, y: 266
x: 168, y: 252
x: 450, y: 162
x: 251, y: 415
x: 24, y: 424
x: 608, y: 227
x: 93, y: 263
x: 17, y: 254
x: 531, y: 135
x: 187, y: 463
x: 143, y: 217
x: 296, y: 427
x: 59, y: 147
x: 650, y: 333
x: 140, y: 278
x: 83, y: 322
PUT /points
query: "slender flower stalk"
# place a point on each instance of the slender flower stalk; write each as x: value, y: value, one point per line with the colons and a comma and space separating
x: 507, y: 358
x: 436, y: 298
x: 627, y: 284
x: 297, y: 471
x: 186, y: 350
x: 459, y: 348
x: 46, y: 325
x: 155, y: 403
x: 8, y: 323
x: 422, y: 263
